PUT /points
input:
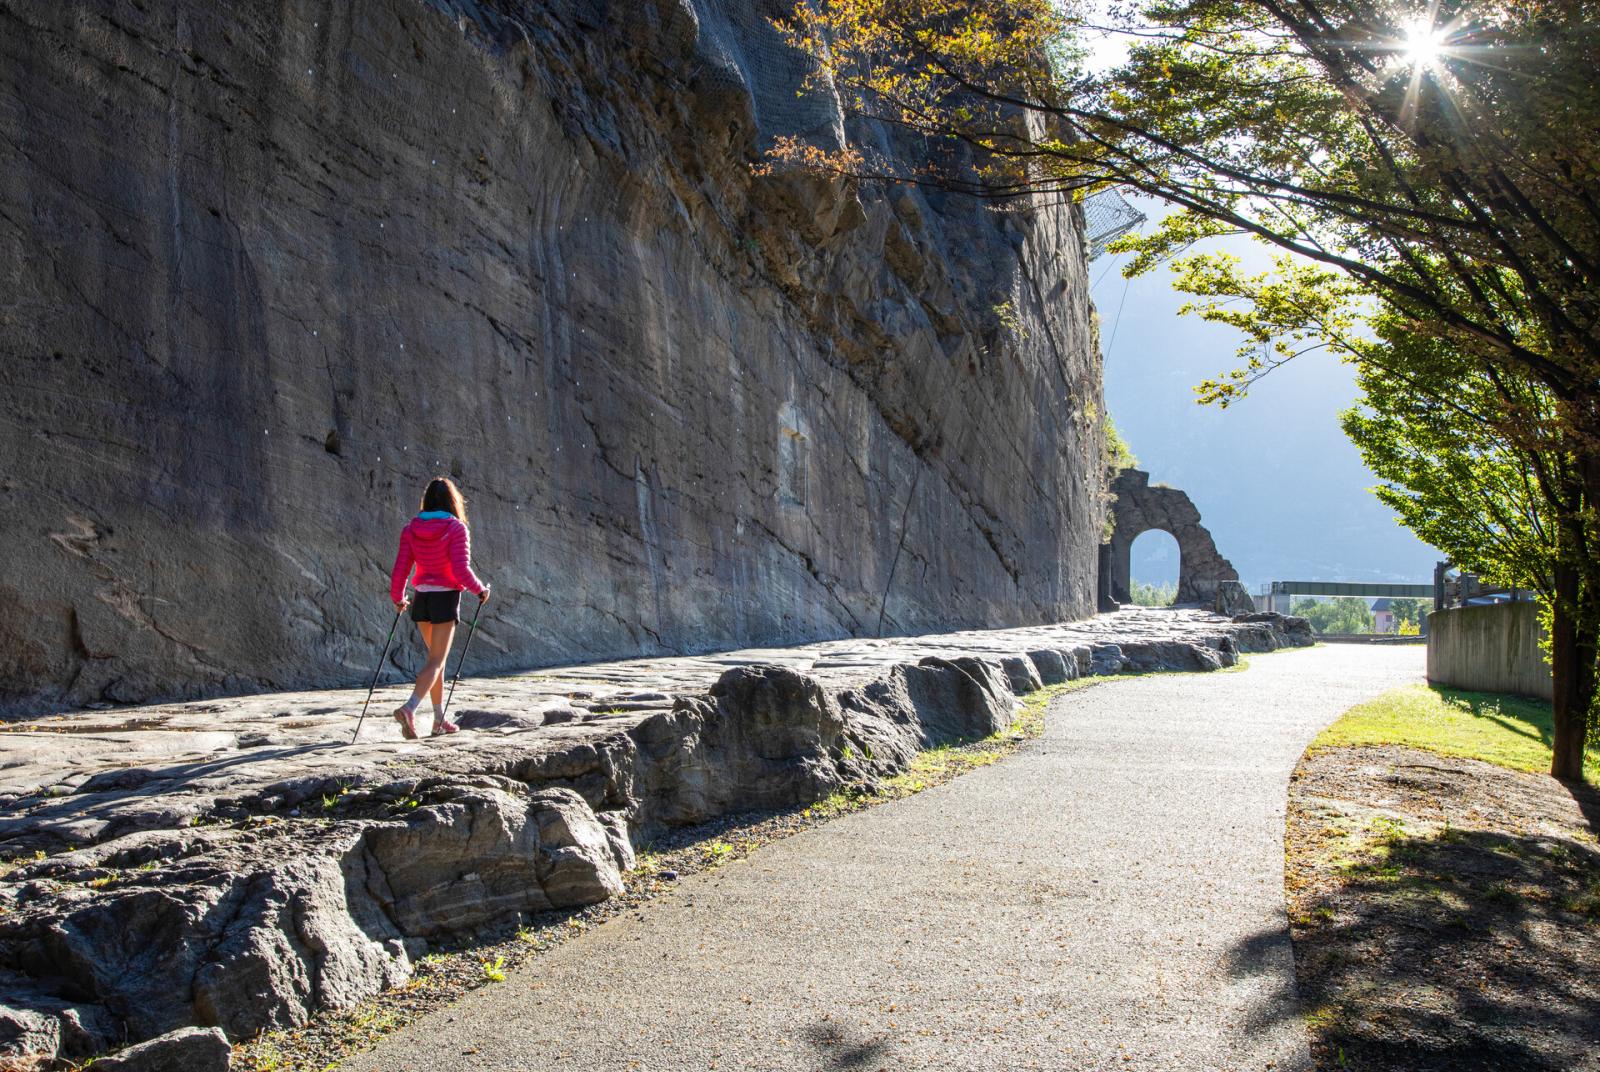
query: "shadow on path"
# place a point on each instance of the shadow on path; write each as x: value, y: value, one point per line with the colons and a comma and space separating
x: 835, y: 1050
x: 1587, y: 797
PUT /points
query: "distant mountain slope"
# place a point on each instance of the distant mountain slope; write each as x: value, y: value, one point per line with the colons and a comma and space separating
x: 1281, y: 488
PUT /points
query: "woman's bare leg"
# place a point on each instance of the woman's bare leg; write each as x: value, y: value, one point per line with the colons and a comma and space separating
x: 438, y: 636
x: 443, y: 634
x: 430, y: 678
x: 426, y: 629
x: 436, y: 694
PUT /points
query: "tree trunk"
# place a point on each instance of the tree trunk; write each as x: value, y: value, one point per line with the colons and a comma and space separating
x: 1573, y: 673
x: 1575, y: 625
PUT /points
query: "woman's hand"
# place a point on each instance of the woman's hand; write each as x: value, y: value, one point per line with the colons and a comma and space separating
x: 400, y: 607
x: 483, y: 596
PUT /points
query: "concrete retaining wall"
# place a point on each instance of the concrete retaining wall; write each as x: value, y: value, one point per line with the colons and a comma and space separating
x: 1490, y: 649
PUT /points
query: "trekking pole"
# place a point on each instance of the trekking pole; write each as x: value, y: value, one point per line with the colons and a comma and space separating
x: 376, y: 671
x: 444, y: 714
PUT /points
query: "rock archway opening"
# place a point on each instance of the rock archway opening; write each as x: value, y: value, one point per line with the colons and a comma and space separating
x: 1153, y: 568
x: 1139, y: 508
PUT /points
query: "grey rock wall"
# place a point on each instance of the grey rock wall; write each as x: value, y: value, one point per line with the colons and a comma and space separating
x: 266, y: 268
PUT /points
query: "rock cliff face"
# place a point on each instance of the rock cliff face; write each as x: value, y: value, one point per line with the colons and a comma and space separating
x: 267, y: 269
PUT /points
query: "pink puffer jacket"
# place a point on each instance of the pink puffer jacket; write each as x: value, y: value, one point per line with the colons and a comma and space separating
x: 440, y: 547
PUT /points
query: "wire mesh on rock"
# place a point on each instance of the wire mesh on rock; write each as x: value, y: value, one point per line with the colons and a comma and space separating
x: 1107, y: 216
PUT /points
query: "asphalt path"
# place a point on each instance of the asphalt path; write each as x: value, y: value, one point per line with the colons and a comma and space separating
x: 1110, y: 897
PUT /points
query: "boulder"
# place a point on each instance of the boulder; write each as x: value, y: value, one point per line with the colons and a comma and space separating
x: 762, y: 739
x: 958, y: 699
x: 255, y: 932
x: 189, y: 1049
x: 771, y: 737
x: 1050, y: 666
x: 475, y: 856
x: 1170, y: 655
x: 615, y: 824
x: 1022, y: 674
x: 1232, y: 598
x: 34, y: 1022
x: 1081, y: 656
x: 1269, y: 631
x: 1107, y: 659
x: 1227, y: 651
x: 264, y: 927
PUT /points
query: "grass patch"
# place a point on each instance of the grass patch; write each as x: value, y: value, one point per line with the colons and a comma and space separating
x: 1508, y: 731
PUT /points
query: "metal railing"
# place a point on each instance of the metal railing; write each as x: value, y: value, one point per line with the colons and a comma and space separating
x: 1466, y: 590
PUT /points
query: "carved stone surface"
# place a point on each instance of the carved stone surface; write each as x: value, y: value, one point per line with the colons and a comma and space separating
x: 1139, y: 507
x: 237, y: 863
x: 267, y: 268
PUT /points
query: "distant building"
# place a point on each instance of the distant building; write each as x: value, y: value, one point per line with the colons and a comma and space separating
x: 1383, y: 617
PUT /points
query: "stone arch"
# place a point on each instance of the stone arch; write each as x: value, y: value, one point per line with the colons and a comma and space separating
x: 1138, y: 509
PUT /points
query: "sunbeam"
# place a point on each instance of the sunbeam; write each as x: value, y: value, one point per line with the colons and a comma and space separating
x: 1424, y: 43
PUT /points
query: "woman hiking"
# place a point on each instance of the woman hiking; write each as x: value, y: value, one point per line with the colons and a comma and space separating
x: 437, y: 543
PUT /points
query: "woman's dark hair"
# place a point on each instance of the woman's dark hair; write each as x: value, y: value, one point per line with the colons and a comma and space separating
x: 443, y: 495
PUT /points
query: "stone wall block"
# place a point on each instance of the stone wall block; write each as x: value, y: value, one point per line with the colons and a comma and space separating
x: 1022, y: 674
x: 1050, y: 666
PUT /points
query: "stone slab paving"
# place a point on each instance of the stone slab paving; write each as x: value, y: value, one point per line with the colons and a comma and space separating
x: 85, y: 773
x: 1109, y: 898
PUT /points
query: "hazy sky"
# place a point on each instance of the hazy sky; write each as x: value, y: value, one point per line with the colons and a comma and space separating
x: 1281, y: 488
x: 1276, y: 481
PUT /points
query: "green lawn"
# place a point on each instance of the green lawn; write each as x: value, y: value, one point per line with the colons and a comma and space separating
x: 1506, y: 730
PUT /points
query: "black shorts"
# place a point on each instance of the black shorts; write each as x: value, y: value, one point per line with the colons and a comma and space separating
x: 436, y: 607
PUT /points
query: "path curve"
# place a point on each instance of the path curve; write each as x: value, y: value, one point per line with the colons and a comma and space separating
x: 1109, y: 897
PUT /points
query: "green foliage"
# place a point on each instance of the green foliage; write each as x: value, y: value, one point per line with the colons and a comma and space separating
x: 1153, y: 595
x: 1410, y: 611
x: 1433, y: 428
x: 1433, y: 211
x: 1006, y: 314
x: 1340, y: 616
x: 1118, y: 454
x: 1436, y: 188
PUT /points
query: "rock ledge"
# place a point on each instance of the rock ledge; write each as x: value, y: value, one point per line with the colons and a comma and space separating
x: 246, y: 887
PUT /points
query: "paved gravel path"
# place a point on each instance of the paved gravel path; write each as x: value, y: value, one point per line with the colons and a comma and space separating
x: 1109, y: 897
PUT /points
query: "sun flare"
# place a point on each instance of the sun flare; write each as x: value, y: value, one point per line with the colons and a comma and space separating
x: 1424, y: 43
